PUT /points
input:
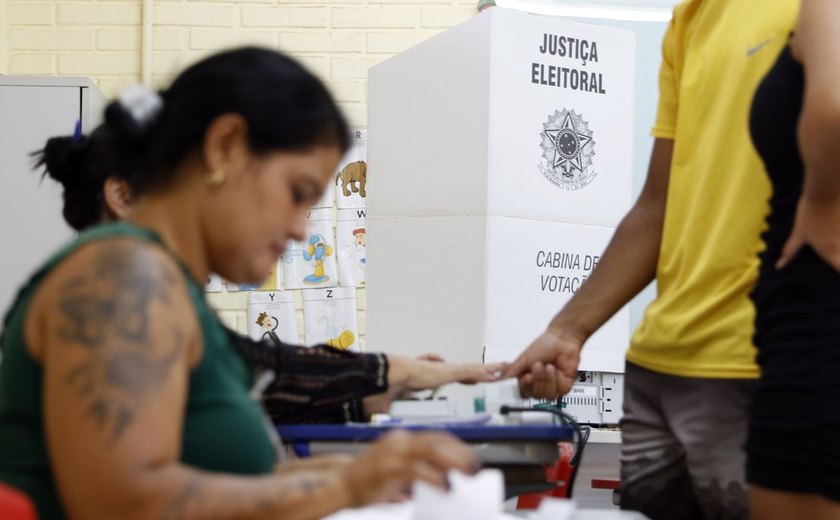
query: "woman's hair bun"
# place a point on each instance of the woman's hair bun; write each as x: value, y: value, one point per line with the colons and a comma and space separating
x: 59, y: 158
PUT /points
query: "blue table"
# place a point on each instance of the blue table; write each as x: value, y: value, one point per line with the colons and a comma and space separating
x: 308, y: 439
x: 520, y: 451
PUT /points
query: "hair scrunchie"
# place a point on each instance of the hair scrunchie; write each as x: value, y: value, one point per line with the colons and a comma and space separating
x: 136, y: 110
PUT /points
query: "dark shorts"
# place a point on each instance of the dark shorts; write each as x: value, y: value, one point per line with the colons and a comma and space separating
x: 682, y: 442
x: 793, y: 443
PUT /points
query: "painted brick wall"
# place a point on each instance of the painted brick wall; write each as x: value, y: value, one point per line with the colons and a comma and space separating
x: 337, y: 39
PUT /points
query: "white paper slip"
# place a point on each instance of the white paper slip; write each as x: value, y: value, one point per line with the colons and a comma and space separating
x: 476, y: 497
x: 554, y: 509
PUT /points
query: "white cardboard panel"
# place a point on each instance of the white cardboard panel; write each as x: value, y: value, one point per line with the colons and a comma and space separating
x: 351, y: 177
x: 428, y: 118
x: 533, y: 269
x: 311, y: 263
x: 279, y: 316
x: 558, y: 153
x: 425, y: 286
x: 351, y: 237
x: 459, y: 130
x: 330, y: 317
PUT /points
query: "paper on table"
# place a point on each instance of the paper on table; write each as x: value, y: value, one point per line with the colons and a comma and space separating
x: 476, y: 497
x: 555, y: 509
x: 404, y: 511
x: 472, y: 498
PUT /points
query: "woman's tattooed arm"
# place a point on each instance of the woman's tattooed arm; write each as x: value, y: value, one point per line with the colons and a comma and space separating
x: 106, y: 311
x: 117, y: 332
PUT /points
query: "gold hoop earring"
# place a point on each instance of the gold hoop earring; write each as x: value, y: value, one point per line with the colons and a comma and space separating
x: 216, y: 178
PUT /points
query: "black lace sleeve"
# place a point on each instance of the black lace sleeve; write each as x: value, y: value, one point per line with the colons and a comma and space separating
x: 317, y: 384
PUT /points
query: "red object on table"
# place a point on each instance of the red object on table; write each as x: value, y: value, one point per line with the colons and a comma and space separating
x: 606, y: 483
x: 560, y: 472
x: 15, y: 505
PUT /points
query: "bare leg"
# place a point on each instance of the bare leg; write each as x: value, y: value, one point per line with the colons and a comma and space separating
x: 768, y: 504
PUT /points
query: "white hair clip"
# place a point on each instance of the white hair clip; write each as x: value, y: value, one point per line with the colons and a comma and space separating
x: 142, y: 103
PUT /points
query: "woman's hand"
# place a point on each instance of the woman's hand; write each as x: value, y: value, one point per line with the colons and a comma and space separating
x: 418, y: 374
x: 406, y: 375
x: 386, y: 470
x: 817, y: 224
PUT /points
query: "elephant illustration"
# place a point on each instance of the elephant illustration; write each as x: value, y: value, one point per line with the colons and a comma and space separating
x: 355, y: 172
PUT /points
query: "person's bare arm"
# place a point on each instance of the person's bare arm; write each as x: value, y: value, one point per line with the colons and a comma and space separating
x: 116, y: 333
x: 407, y: 375
x: 548, y: 367
x: 818, y: 211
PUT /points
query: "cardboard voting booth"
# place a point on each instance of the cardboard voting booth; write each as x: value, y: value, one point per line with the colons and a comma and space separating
x: 502, y: 154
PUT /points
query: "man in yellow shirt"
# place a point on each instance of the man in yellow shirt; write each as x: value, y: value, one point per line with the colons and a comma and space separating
x: 695, y: 230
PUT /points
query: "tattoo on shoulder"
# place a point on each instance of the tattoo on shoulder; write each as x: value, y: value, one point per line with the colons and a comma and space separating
x: 107, y: 312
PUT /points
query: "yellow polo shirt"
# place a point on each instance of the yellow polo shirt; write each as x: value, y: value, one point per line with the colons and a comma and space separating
x: 714, y: 54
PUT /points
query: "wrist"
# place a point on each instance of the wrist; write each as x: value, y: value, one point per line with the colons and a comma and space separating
x: 571, y: 329
x: 343, y: 490
x: 398, y: 372
x: 820, y: 193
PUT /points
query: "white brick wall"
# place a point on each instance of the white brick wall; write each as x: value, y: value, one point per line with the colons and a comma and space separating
x: 4, y: 36
x: 194, y: 14
x: 281, y: 16
x: 98, y: 13
x: 32, y: 14
x: 338, y: 40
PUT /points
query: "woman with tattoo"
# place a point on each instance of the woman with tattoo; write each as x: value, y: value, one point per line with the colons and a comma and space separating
x: 315, y: 384
x: 121, y: 394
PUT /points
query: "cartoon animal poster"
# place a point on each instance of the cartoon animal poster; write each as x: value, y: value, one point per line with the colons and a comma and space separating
x: 272, y: 283
x: 312, y: 263
x: 271, y: 315
x: 350, y: 180
x: 214, y: 283
x: 330, y: 318
x: 351, y: 237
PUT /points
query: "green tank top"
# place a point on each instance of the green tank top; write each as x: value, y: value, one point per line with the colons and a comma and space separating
x: 224, y: 428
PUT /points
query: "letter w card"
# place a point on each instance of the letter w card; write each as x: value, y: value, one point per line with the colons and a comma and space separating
x: 351, y: 237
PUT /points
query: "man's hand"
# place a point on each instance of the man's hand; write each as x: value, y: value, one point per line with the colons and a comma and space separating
x: 548, y: 367
x: 817, y: 224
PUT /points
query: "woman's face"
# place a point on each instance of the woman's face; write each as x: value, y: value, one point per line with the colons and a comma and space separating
x: 256, y: 211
